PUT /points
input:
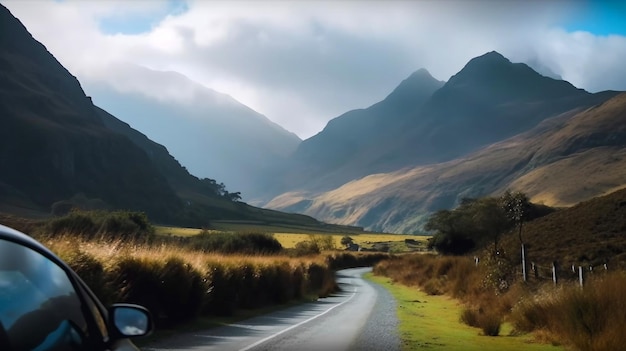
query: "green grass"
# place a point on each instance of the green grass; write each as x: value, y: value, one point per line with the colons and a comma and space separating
x: 433, y: 323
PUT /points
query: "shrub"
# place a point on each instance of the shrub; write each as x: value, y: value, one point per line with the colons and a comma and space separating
x: 108, y: 225
x: 91, y: 271
x: 469, y: 316
x: 490, y: 324
x: 171, y: 289
x: 591, y: 318
x: 433, y: 287
x: 228, y: 243
x: 223, y: 290
x: 306, y: 248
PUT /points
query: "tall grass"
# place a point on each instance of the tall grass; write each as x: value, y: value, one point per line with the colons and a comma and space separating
x: 591, y: 318
x: 121, y: 259
x: 178, y: 284
x: 456, y: 276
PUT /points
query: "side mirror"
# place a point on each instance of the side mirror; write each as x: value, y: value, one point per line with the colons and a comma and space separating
x: 130, y: 320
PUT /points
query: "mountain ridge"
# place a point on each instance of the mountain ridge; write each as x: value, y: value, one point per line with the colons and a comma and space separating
x: 59, y: 151
x: 490, y: 99
x: 536, y: 162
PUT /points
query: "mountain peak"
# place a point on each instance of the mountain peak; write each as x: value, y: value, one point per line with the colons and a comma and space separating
x: 494, y: 75
x: 420, y: 82
x: 421, y: 73
x: 489, y: 61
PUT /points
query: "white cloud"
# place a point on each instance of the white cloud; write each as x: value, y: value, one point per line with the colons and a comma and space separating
x: 301, y: 63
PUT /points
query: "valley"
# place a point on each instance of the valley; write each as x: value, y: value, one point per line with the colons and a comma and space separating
x: 490, y: 207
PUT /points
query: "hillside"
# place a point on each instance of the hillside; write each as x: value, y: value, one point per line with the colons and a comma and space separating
x: 592, y: 232
x: 564, y: 160
x: 53, y: 146
x: 426, y: 122
x: 58, y: 150
x: 210, y: 133
x: 343, y: 150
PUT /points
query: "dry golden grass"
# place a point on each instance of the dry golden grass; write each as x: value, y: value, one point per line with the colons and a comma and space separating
x: 589, y: 319
x: 289, y: 240
x: 107, y: 252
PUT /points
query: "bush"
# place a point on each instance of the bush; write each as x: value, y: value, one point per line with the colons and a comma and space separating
x: 591, y: 318
x: 306, y: 248
x: 171, y: 289
x: 223, y: 290
x: 490, y: 324
x: 91, y: 271
x: 103, y: 224
x: 228, y: 243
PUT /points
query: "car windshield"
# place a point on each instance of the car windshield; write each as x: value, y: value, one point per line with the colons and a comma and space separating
x: 39, y: 308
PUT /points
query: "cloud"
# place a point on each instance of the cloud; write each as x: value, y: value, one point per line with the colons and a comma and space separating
x: 302, y: 63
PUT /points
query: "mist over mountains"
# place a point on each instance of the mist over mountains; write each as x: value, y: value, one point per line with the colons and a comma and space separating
x: 210, y: 133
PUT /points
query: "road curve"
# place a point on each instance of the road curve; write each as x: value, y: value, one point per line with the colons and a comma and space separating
x: 360, y: 317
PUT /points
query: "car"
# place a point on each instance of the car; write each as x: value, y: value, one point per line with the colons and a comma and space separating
x: 44, y: 305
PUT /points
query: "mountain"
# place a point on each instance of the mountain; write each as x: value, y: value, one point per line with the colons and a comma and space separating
x: 565, y: 159
x: 425, y: 121
x: 490, y: 99
x: 53, y: 144
x: 58, y: 150
x: 210, y: 133
x: 343, y: 150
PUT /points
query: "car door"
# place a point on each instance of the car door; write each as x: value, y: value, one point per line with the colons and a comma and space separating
x: 42, y: 305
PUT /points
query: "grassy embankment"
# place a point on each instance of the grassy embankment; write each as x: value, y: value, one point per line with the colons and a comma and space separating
x: 432, y: 322
x: 180, y: 279
x: 592, y: 318
x: 493, y: 298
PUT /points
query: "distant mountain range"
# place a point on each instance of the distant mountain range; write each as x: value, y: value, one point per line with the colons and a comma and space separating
x: 493, y: 126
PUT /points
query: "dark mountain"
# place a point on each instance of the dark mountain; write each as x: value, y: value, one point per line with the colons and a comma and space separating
x: 341, y: 152
x: 214, y: 136
x: 489, y: 100
x: 53, y: 144
x: 58, y: 150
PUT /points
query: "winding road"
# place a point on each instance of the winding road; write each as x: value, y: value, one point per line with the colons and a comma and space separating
x: 360, y: 317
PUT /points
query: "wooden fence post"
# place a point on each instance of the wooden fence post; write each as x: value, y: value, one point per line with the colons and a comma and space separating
x: 580, y: 275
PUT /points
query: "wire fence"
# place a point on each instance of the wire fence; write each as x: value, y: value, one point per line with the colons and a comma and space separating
x: 534, y: 272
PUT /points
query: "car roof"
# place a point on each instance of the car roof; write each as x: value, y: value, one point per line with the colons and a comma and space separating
x: 16, y: 236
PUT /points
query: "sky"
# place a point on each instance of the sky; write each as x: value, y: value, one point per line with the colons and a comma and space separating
x: 303, y: 62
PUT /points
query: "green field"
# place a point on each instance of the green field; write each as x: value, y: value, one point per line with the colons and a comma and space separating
x: 432, y: 323
x: 288, y: 238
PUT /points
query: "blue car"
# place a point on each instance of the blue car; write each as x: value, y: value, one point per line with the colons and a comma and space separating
x: 44, y: 305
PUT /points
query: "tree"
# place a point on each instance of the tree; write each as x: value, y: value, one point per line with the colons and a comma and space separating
x: 475, y: 222
x: 236, y: 196
x: 347, y: 241
x: 517, y: 207
x: 490, y: 219
x: 452, y: 232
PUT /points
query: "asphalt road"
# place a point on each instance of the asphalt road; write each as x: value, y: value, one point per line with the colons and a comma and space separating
x: 361, y: 317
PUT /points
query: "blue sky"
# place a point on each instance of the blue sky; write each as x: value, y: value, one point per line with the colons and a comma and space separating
x: 137, y: 23
x: 600, y: 18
